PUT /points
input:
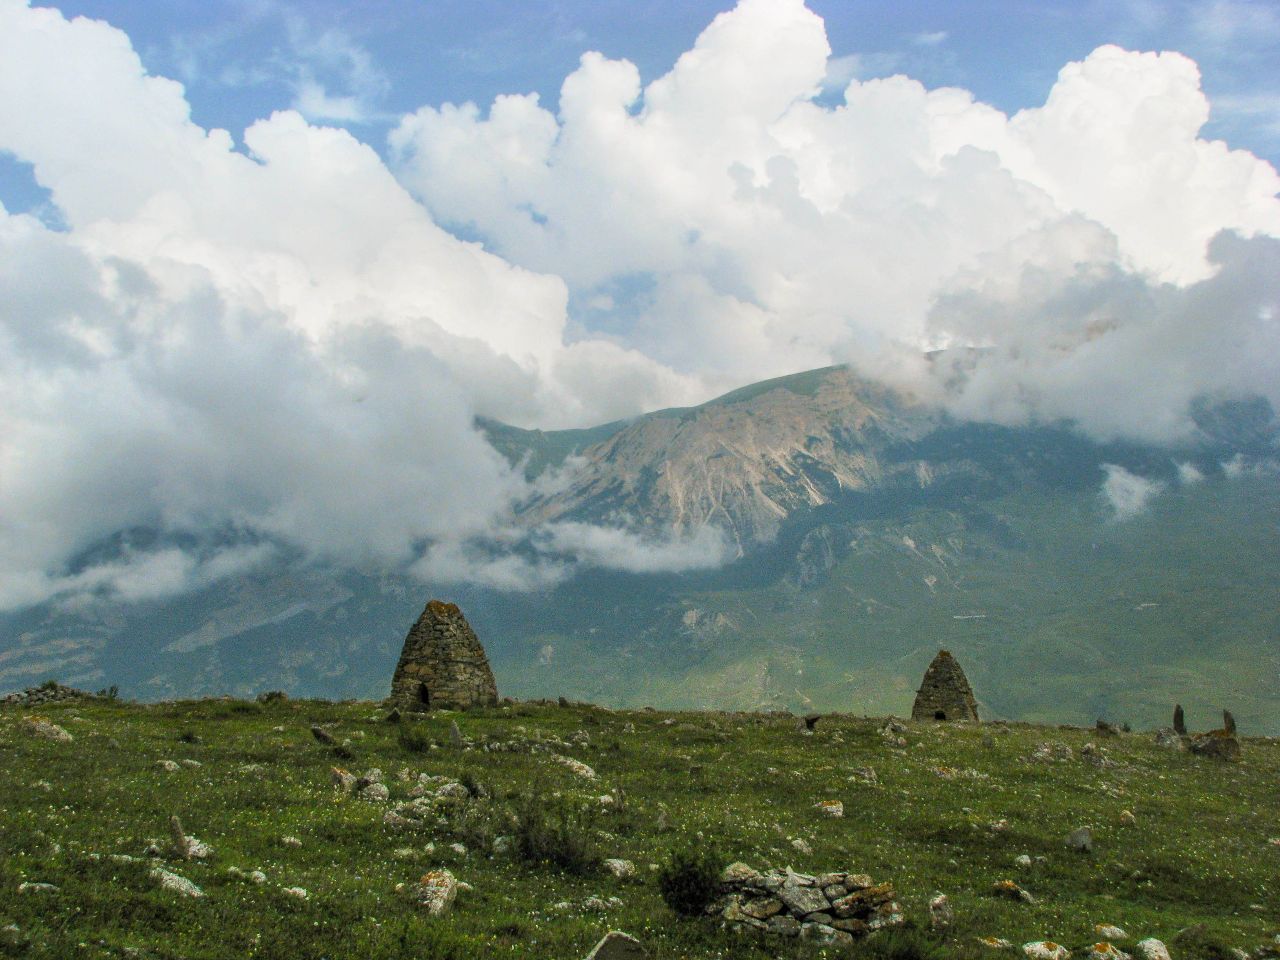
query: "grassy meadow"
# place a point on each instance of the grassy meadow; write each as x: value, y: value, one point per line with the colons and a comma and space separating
x: 1186, y: 849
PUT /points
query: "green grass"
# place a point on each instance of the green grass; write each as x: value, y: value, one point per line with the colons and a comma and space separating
x: 744, y: 784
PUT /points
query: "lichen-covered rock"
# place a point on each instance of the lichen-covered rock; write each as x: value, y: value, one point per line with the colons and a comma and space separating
x: 1045, y: 950
x: 1011, y: 891
x: 175, y: 884
x: 42, y: 728
x: 436, y: 891
x: 1152, y: 949
x: 941, y: 914
x: 442, y: 665
x: 1105, y: 950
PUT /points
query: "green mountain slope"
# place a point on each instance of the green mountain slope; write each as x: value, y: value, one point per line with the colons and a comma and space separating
x: 870, y: 530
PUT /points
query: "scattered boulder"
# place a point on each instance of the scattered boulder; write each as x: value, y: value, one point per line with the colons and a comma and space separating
x: 1152, y: 949
x: 1011, y: 891
x: 577, y: 766
x: 45, y: 730
x: 1170, y: 739
x: 1104, y: 729
x: 1045, y: 950
x: 185, y: 847
x: 342, y: 780
x: 1107, y: 951
x: 830, y: 808
x: 941, y: 915
x: 622, y: 869
x: 323, y: 736
x: 1080, y: 839
x: 616, y: 945
x: 175, y: 884
x: 436, y: 891
x: 1217, y: 745
x: 168, y: 766
x: 1109, y: 931
x: 994, y: 943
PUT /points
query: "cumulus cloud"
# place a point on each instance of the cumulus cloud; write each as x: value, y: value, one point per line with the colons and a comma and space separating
x: 223, y: 347
x: 1189, y: 474
x: 277, y: 342
x: 1127, y: 493
x: 781, y: 233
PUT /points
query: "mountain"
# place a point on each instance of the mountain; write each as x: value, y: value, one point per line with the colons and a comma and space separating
x: 866, y: 530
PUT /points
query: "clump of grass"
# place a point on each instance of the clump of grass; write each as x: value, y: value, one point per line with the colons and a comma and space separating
x: 1196, y: 943
x: 549, y: 831
x: 907, y: 943
x: 690, y: 879
x: 413, y: 739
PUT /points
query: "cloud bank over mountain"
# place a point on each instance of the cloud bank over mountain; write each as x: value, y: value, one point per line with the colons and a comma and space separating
x: 279, y: 341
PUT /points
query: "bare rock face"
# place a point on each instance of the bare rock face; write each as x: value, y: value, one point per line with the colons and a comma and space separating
x: 945, y: 693
x: 443, y: 665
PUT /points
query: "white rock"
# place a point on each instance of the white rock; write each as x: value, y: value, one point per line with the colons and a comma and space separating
x: 436, y: 891
x: 830, y: 808
x: 298, y: 892
x: 175, y: 884
x: 1152, y: 949
x: 1109, y: 931
x: 376, y: 792
x: 1045, y: 950
x: 622, y: 869
x: 801, y: 847
x: 577, y: 766
x: 42, y: 728
x: 291, y: 841
x: 1023, y: 861
x: 616, y: 945
x: 168, y: 766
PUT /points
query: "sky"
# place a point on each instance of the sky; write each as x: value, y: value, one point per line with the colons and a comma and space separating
x: 261, y: 263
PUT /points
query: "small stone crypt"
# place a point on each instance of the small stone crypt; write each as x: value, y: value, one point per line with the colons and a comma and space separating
x: 945, y: 693
x: 443, y: 666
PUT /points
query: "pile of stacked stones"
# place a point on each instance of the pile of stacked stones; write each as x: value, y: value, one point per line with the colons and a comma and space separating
x: 829, y: 908
x: 45, y: 693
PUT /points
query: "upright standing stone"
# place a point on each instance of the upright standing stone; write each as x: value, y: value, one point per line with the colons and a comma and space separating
x: 945, y: 693
x: 1179, y: 720
x: 443, y: 665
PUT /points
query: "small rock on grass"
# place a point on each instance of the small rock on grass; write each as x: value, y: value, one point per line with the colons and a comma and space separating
x: 1011, y: 891
x: 1080, y: 839
x: 1045, y: 950
x: 994, y: 943
x: 1109, y: 931
x: 175, y: 884
x: 622, y: 869
x: 42, y: 728
x: 616, y: 945
x: 940, y: 913
x: 436, y: 891
x: 1107, y: 951
x: 1153, y: 949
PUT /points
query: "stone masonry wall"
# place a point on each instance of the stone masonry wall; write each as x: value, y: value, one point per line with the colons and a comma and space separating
x: 443, y: 665
x: 945, y: 693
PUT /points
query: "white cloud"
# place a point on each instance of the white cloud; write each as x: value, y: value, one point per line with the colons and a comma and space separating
x: 1189, y: 474
x: 285, y: 346
x: 1127, y: 493
x: 615, y: 548
x: 780, y: 233
x: 932, y: 38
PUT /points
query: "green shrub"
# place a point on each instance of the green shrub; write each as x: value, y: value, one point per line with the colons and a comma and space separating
x: 690, y: 879
x: 550, y: 831
x: 414, y: 739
